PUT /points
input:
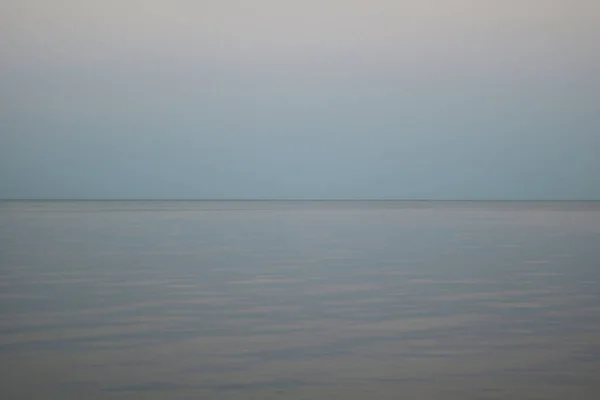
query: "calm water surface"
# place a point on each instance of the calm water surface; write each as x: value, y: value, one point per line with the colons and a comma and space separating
x: 299, y: 300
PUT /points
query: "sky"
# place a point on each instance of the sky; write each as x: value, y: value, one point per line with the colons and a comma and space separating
x: 311, y: 99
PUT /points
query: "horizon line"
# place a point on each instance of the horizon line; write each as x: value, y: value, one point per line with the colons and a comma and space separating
x: 299, y: 199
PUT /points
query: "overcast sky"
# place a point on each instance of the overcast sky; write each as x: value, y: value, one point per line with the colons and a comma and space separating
x: 439, y: 99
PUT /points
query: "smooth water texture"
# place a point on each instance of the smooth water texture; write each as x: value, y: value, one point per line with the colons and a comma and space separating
x: 299, y: 300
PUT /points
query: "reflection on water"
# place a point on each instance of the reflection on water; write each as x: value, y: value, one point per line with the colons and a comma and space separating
x: 299, y: 300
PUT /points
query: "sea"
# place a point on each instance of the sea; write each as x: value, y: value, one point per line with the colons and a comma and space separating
x: 299, y: 300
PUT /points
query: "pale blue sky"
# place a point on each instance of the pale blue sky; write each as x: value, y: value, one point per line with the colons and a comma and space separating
x: 446, y: 99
